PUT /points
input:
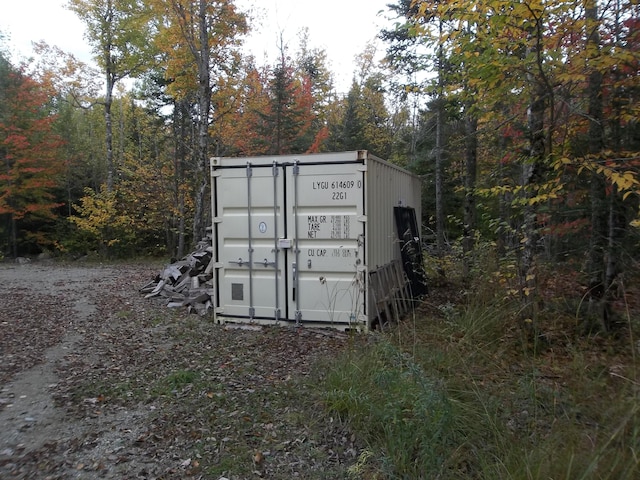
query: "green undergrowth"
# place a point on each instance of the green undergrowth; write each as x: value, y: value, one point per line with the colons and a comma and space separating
x: 403, y: 414
x: 458, y: 391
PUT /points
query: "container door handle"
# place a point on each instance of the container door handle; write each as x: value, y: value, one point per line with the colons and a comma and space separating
x: 294, y: 274
x: 265, y: 263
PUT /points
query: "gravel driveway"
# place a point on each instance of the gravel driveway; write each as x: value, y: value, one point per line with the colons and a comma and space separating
x: 98, y: 383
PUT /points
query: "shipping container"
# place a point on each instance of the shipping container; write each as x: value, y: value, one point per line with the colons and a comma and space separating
x: 314, y: 239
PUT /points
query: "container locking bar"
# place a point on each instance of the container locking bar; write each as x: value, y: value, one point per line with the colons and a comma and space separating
x: 252, y: 310
x: 265, y: 263
x: 239, y: 262
x: 296, y: 280
x: 276, y: 249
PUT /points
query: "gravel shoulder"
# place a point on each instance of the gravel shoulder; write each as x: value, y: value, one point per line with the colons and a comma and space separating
x: 98, y: 382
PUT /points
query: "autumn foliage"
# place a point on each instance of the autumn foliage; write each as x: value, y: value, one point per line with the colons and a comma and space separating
x: 31, y: 162
x: 521, y: 118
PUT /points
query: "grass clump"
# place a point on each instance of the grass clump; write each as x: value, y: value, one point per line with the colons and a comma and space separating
x: 401, y: 413
x: 176, y: 381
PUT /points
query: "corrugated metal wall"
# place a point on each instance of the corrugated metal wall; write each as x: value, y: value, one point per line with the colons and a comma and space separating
x: 388, y: 186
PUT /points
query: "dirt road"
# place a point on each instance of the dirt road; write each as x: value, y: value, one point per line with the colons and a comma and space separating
x: 97, y: 382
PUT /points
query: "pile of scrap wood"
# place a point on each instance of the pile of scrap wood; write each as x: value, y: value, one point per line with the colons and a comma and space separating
x: 187, y: 282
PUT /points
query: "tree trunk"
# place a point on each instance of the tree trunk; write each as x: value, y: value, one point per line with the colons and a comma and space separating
x: 440, y: 238
x: 181, y: 134
x: 617, y: 233
x: 597, y: 243
x: 505, y: 230
x: 439, y: 155
x: 13, y: 235
x: 618, y: 212
x: 204, y: 105
x: 530, y: 181
x: 600, y: 210
x: 180, y: 251
x: 470, y: 217
x: 108, y: 101
x: 532, y: 169
x: 119, y: 158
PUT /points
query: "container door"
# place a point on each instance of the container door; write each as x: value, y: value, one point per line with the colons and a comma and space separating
x: 326, y: 267
x: 251, y: 276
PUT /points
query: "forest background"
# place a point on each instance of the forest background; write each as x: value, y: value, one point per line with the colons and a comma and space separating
x: 520, y: 117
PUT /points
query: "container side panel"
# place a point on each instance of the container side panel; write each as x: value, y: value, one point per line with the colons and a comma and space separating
x: 387, y: 187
